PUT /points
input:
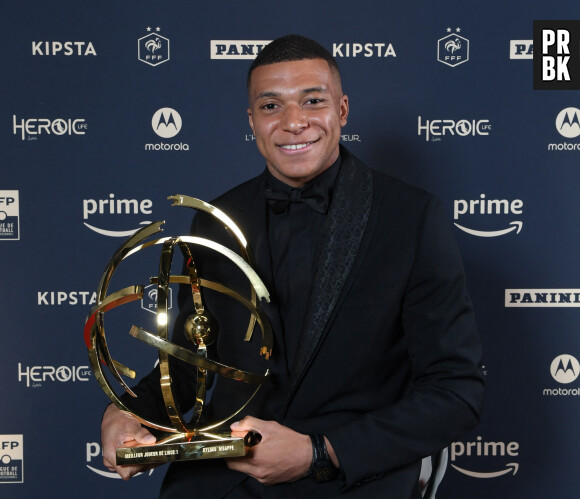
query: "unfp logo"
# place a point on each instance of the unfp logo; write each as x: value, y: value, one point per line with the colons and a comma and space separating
x: 9, y: 216
x: 153, y: 49
x: 453, y: 49
x: 11, y: 459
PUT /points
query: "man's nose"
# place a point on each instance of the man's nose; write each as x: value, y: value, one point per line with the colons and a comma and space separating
x: 294, y: 119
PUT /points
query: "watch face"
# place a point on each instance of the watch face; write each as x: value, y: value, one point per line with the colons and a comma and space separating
x: 323, y: 474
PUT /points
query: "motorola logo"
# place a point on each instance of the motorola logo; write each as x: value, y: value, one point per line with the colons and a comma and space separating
x: 166, y: 123
x: 568, y: 122
x: 565, y: 369
x: 568, y: 126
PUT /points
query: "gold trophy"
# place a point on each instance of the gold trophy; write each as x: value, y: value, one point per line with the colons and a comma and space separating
x: 192, y: 440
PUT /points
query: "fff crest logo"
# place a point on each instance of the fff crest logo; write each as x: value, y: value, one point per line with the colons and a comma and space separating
x: 453, y: 49
x: 153, y: 49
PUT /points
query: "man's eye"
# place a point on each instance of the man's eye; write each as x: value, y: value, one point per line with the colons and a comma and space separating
x: 269, y: 106
x: 314, y: 101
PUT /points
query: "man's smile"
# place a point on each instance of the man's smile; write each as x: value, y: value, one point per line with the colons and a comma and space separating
x: 295, y: 147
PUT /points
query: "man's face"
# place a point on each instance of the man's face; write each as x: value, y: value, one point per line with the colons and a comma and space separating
x: 296, y: 112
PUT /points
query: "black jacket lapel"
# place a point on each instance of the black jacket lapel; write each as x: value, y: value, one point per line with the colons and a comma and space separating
x: 347, y: 219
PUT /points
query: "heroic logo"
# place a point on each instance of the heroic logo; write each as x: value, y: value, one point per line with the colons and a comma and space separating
x: 436, y: 129
x: 482, y: 450
x: 484, y: 206
x: 568, y: 122
x: 453, y: 49
x: 32, y: 127
x: 166, y: 122
x: 565, y: 369
x: 36, y: 375
x: 153, y: 49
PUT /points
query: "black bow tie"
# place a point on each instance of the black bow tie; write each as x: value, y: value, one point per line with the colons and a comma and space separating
x: 314, y: 195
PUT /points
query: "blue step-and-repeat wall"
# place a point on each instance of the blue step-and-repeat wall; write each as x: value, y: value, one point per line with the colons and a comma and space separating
x: 441, y: 95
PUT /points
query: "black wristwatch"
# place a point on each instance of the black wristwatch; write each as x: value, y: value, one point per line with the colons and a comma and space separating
x: 321, y: 469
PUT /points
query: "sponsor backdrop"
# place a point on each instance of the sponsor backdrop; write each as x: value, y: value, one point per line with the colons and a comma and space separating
x: 109, y: 107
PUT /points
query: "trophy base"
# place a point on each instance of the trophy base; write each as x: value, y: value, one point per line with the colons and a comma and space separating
x: 181, y: 448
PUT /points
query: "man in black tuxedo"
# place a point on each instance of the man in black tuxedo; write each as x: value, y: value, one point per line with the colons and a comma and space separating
x: 376, y: 360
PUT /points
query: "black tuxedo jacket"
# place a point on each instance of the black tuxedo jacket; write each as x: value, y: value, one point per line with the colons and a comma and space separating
x: 388, y: 365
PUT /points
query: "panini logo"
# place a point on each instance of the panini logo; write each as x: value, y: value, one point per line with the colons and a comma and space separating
x: 542, y: 298
x: 236, y: 49
x: 521, y: 49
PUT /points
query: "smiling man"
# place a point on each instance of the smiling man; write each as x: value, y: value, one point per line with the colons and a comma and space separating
x: 376, y: 360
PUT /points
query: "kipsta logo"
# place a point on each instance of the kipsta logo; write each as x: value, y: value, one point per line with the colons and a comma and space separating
x: 63, y: 48
x: 453, y: 49
x: 378, y: 49
x: 153, y: 49
x: 166, y: 122
x: 565, y: 369
x: 568, y: 122
x: 485, y: 206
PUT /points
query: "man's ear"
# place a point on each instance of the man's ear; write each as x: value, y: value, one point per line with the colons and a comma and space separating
x: 250, y: 120
x: 343, y: 110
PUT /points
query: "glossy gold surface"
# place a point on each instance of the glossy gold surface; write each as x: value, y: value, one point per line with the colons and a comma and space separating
x: 188, y: 440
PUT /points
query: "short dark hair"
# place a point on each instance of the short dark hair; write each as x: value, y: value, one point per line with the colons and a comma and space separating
x: 292, y: 48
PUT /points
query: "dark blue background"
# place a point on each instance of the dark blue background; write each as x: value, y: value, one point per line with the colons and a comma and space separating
x: 117, y: 95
